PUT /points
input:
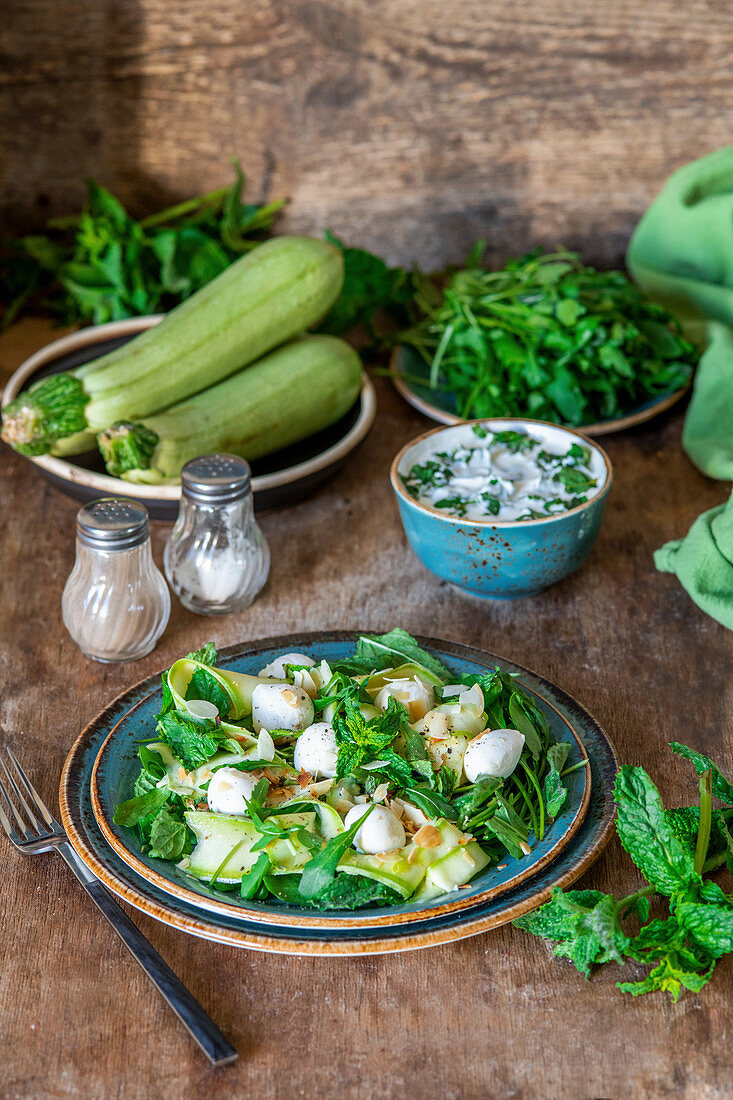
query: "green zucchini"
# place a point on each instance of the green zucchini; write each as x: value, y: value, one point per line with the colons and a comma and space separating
x: 290, y: 394
x: 264, y: 299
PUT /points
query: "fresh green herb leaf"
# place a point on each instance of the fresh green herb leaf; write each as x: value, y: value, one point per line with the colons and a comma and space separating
x: 133, y: 811
x: 253, y: 880
x: 380, y: 651
x: 320, y: 871
x: 369, y: 286
x: 192, y: 742
x: 167, y: 836
x: 722, y: 789
x: 646, y: 834
x: 207, y: 655
x: 203, y: 685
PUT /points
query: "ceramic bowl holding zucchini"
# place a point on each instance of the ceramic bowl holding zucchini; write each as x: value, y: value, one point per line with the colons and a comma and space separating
x: 231, y: 369
x: 501, y: 508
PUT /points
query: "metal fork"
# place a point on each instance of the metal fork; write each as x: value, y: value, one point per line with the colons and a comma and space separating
x: 28, y: 834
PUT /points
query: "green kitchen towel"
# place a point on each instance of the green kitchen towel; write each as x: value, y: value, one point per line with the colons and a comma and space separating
x: 708, y: 432
x: 703, y: 562
x: 681, y: 254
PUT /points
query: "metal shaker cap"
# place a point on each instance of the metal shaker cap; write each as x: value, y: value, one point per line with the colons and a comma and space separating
x: 112, y: 524
x: 216, y: 479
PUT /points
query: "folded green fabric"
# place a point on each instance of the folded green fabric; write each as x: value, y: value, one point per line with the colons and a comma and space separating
x: 703, y: 562
x: 681, y: 254
x: 708, y: 432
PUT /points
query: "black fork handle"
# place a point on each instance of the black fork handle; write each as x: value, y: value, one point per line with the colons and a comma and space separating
x: 197, y: 1022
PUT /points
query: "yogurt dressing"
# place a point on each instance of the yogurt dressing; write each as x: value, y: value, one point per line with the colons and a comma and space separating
x: 504, y: 476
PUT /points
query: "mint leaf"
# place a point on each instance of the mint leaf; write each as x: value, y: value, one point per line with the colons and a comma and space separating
x: 133, y: 811
x: 679, y: 965
x: 192, y: 742
x: 207, y: 655
x: 722, y: 789
x: 584, y: 922
x: 709, y: 927
x: 647, y: 835
x: 167, y: 836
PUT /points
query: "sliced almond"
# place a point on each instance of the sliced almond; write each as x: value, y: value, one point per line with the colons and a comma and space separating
x: 381, y: 792
x: 427, y: 837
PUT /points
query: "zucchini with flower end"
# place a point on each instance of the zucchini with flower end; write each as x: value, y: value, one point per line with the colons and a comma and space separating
x: 269, y: 296
x: 290, y: 394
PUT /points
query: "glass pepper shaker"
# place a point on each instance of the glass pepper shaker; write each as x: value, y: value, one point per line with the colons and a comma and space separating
x: 116, y: 603
x: 216, y: 559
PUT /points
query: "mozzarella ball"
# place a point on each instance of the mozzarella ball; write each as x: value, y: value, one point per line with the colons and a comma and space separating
x: 228, y: 791
x: 316, y: 751
x: 493, y: 753
x: 415, y: 695
x: 280, y: 707
x: 276, y: 669
x: 381, y: 832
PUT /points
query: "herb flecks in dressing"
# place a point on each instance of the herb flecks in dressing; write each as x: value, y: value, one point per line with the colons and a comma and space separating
x: 505, y: 476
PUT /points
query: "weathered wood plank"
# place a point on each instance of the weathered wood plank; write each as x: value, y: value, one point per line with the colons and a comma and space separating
x: 410, y: 127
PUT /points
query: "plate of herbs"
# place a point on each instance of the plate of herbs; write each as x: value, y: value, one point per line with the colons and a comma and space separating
x: 544, y: 337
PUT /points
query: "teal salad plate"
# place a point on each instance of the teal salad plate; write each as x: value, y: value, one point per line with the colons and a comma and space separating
x: 411, y: 377
x: 101, y: 767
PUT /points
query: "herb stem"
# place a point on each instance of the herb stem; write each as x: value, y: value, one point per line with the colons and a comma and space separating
x: 575, y: 767
x: 706, y: 817
x: 533, y: 780
x: 189, y: 206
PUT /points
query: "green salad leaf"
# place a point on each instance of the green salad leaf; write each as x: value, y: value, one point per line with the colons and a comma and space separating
x: 167, y: 836
x: 192, y: 742
x: 319, y: 872
x: 203, y: 685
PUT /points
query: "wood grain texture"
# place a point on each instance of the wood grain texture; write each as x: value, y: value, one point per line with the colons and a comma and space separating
x: 410, y: 126
x: 492, y: 1016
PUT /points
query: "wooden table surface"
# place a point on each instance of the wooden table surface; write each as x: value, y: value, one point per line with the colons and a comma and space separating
x: 495, y: 1015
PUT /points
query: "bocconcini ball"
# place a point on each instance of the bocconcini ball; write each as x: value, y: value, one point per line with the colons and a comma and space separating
x: 280, y: 707
x: 493, y: 753
x: 316, y: 751
x: 228, y: 791
x: 412, y: 692
x: 381, y: 832
x: 276, y: 669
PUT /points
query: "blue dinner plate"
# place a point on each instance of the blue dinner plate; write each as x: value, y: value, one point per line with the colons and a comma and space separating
x: 104, y: 759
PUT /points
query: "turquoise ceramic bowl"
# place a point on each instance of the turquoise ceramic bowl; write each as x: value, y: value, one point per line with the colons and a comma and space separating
x: 500, y: 560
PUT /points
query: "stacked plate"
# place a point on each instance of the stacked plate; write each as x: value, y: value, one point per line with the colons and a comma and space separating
x: 101, y: 766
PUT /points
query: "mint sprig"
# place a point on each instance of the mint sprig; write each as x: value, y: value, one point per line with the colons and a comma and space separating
x: 673, y: 849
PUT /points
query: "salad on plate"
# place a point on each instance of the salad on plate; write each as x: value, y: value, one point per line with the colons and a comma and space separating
x: 370, y: 780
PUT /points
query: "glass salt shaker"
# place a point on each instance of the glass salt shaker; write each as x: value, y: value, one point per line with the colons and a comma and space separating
x: 216, y: 559
x: 116, y: 603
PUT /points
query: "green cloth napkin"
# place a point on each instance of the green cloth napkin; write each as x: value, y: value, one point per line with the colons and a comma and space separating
x: 703, y: 562
x: 681, y: 254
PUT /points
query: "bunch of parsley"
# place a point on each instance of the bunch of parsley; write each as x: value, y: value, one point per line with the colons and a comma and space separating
x: 674, y: 850
x: 103, y: 264
x: 546, y: 337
